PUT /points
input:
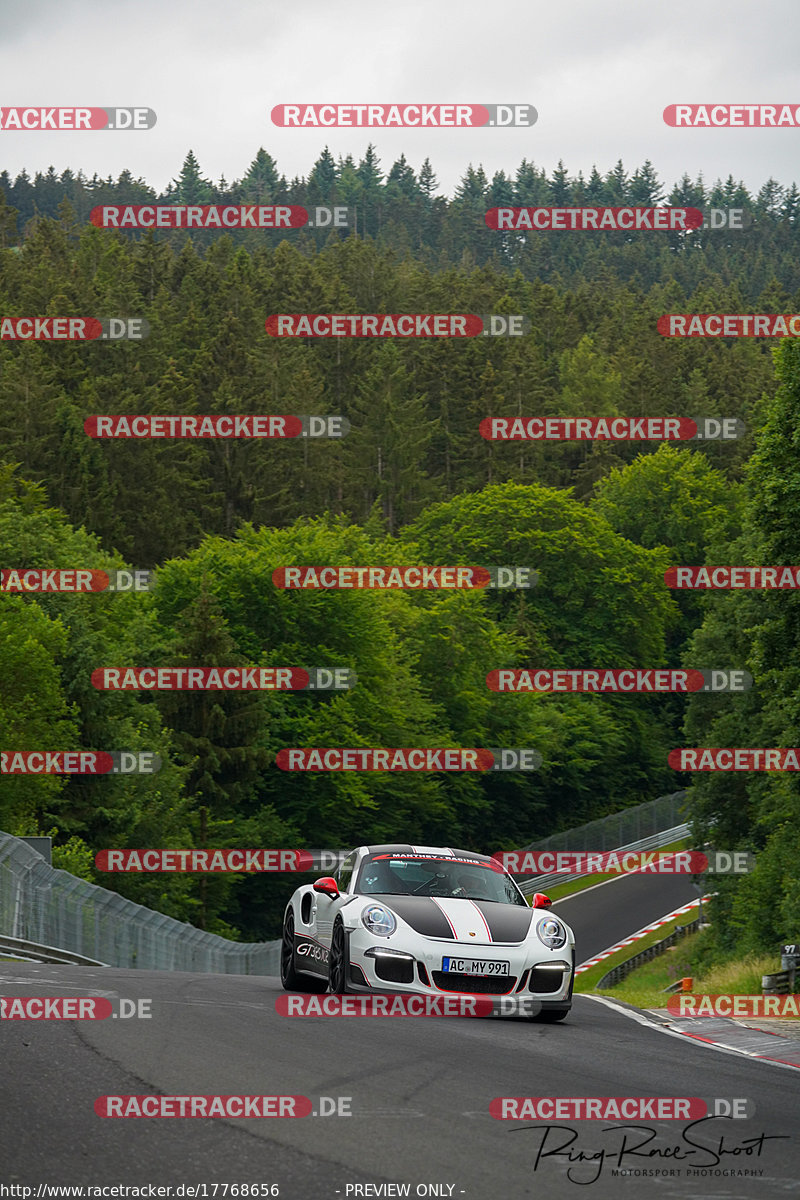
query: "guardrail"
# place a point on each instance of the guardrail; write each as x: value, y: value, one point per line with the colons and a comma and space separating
x: 46, y: 908
x: 528, y: 884
x: 780, y: 983
x: 617, y: 829
x: 618, y: 973
x: 32, y: 952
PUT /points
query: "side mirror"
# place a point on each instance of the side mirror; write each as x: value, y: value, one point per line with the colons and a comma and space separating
x: 540, y: 900
x: 329, y: 887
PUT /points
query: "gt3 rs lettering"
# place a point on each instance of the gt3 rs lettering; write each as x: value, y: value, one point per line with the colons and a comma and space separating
x: 311, y: 956
x: 311, y: 950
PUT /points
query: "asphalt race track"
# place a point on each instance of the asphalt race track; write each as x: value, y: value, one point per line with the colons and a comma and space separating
x: 419, y: 1090
x: 601, y: 916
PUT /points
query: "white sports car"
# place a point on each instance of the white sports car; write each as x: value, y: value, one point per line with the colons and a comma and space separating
x: 429, y: 920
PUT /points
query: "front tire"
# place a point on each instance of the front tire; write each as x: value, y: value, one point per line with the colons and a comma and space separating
x: 338, y: 960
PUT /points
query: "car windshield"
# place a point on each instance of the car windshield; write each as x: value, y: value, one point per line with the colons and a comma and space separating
x: 427, y: 875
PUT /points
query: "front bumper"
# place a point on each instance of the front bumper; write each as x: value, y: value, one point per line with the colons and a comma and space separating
x: 533, y: 971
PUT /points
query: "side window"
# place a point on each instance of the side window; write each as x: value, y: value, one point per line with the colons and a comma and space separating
x: 345, y: 872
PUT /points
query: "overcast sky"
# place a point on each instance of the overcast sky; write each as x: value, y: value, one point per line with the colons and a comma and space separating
x: 599, y: 74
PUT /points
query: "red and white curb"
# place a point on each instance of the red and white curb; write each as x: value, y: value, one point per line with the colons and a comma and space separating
x: 756, y: 1044
x: 640, y: 933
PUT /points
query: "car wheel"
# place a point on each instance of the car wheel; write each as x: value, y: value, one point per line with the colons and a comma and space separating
x: 291, y: 979
x: 337, y: 960
x: 551, y: 1014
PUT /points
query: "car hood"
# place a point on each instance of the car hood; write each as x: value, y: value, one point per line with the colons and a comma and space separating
x: 458, y: 919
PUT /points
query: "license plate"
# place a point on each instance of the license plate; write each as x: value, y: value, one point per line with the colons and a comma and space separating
x: 475, y: 966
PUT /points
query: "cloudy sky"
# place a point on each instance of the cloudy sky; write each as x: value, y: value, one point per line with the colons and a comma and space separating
x: 599, y: 75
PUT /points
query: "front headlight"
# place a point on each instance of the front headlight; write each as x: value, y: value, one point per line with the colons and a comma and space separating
x: 551, y: 932
x: 378, y: 920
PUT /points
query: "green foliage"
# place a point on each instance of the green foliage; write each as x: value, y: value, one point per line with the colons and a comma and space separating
x: 75, y: 857
x: 757, y: 630
x: 674, y: 498
x: 413, y: 482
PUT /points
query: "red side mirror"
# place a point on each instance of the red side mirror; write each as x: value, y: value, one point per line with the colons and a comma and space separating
x: 541, y: 901
x: 329, y: 887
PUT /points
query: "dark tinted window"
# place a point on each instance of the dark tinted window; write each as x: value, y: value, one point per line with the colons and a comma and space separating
x: 408, y: 874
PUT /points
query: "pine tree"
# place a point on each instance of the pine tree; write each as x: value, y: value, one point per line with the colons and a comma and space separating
x: 261, y: 180
x: 644, y: 187
x: 595, y: 187
x: 401, y: 179
x: 769, y: 199
x: 191, y: 187
x: 369, y: 172
x: 428, y: 182
x: 530, y: 185
x: 322, y: 180
x: 559, y: 185
x: 617, y: 183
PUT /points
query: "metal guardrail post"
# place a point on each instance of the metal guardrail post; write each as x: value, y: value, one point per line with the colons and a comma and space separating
x: 780, y: 983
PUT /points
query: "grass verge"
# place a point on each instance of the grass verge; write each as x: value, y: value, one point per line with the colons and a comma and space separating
x: 644, y: 987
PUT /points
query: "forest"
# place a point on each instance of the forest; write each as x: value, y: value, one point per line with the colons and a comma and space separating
x: 412, y: 482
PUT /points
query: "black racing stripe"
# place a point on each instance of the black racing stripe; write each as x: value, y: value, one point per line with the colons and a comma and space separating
x: 419, y: 912
x: 507, y: 922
